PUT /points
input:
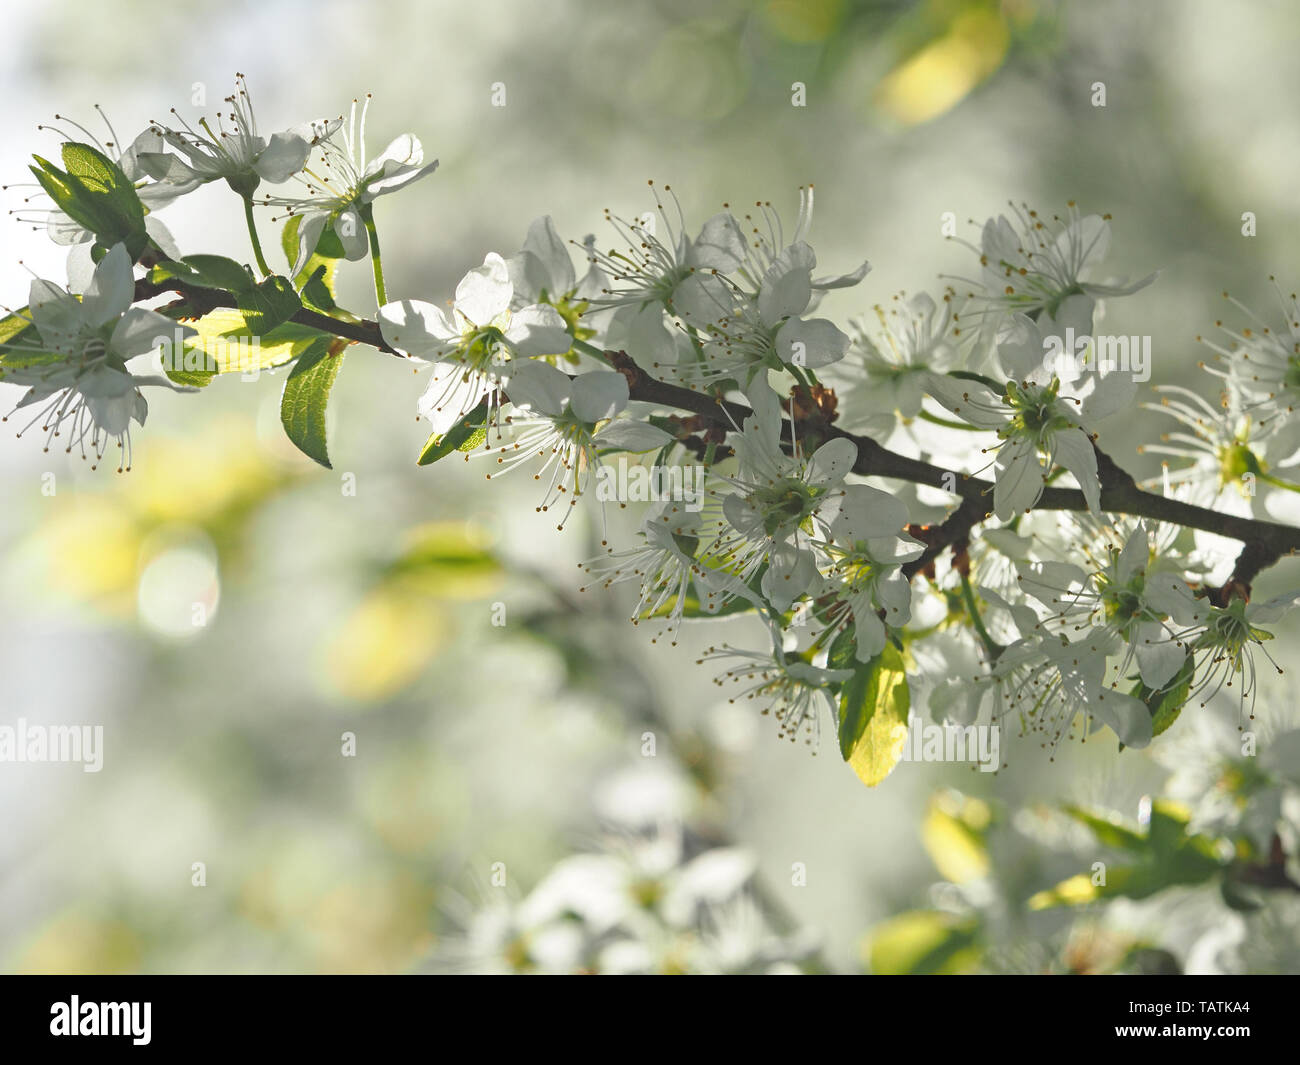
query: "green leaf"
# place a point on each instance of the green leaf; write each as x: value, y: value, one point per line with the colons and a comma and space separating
x: 270, y: 304
x: 1111, y: 833
x: 306, y: 395
x: 207, y: 271
x: 923, y: 943
x: 1168, y: 855
x: 465, y: 435
x: 954, y: 835
x: 226, y: 343
x: 317, y: 292
x: 1167, y: 703
x: 16, y: 329
x: 315, y: 281
x: 874, y: 703
x: 447, y: 560
x: 96, y: 194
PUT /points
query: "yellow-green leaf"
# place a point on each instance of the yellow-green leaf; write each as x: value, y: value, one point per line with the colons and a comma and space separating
x: 873, y: 716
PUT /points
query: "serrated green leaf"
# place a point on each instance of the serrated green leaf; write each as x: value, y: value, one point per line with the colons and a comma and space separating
x: 874, y: 704
x: 204, y: 271
x: 317, y: 292
x: 216, y: 271
x: 96, y: 195
x: 465, y: 435
x: 227, y: 344
x: 306, y: 396
x: 190, y: 378
x: 269, y: 304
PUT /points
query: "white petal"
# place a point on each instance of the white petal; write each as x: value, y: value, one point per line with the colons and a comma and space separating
x: 452, y: 393
x: 1112, y: 392
x: 539, y: 387
x: 57, y: 315
x: 417, y: 328
x: 1159, y: 657
x: 787, y: 284
x: 1073, y: 449
x: 702, y: 298
x: 309, y: 232
x: 1134, y: 556
x: 969, y: 400
x: 599, y: 395
x: 720, y: 245
x: 538, y: 330
x: 351, y: 232
x: 820, y: 343
x: 790, y: 571
x: 1127, y: 716
x: 485, y: 292
x: 110, y: 290
x: 832, y: 462
x: 283, y: 157
x: 404, y: 150
x: 1019, y: 479
x: 628, y: 434
x: 1020, y: 348
x: 140, y: 330
x: 848, y: 280
x: 871, y: 635
x: 864, y: 513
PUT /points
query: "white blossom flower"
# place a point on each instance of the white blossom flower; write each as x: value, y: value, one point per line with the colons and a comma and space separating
x: 1049, y: 682
x: 566, y: 422
x: 1263, y: 364
x: 776, y: 496
x: 866, y: 566
x: 767, y: 330
x: 1040, y: 422
x: 887, y: 372
x: 664, y: 566
x: 1031, y: 264
x: 684, y: 276
x: 792, y: 690
x: 471, y: 346
x: 234, y: 152
x: 1229, y: 448
x: 772, y: 265
x: 1224, y: 645
x: 343, y: 182
x: 153, y: 194
x: 1133, y: 595
x: 78, y: 368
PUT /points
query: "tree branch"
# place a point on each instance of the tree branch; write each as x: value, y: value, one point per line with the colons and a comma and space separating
x: 1265, y: 542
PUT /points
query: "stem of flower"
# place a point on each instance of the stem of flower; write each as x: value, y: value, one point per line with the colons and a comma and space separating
x: 926, y: 416
x: 376, y: 259
x: 968, y: 597
x: 590, y: 349
x: 252, y: 235
x: 987, y: 382
x: 1277, y: 482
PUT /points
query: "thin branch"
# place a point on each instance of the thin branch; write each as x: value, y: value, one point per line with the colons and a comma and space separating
x: 1265, y: 542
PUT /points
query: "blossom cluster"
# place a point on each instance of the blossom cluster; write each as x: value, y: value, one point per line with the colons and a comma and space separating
x: 1017, y: 596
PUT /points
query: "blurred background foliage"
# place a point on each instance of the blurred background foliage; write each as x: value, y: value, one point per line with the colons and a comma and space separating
x: 229, y: 612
